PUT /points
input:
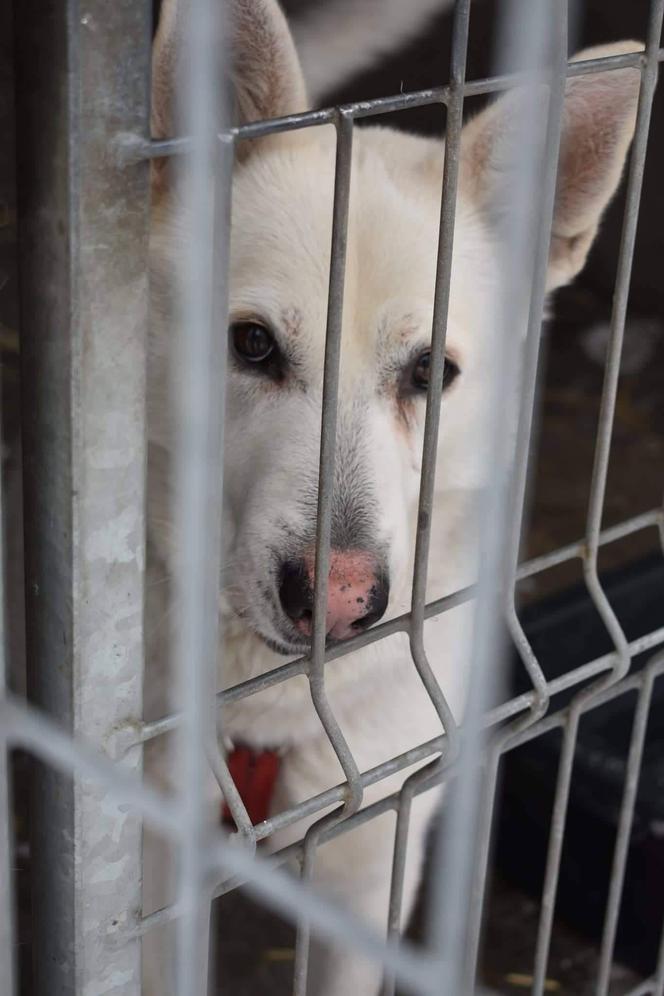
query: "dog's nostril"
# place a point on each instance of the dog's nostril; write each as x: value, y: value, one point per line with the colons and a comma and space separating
x: 366, y: 621
x: 295, y: 593
x: 377, y: 605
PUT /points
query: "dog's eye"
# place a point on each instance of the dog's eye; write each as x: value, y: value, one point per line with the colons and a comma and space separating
x: 420, y: 375
x: 252, y: 342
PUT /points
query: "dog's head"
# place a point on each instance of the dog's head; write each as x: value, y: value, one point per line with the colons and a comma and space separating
x: 280, y: 258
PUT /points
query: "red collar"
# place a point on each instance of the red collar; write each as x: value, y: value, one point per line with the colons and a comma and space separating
x: 255, y: 774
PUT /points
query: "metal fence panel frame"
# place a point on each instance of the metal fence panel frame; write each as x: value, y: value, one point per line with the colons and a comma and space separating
x: 83, y: 72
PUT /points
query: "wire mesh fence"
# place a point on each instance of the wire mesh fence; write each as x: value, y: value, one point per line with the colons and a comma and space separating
x: 85, y: 272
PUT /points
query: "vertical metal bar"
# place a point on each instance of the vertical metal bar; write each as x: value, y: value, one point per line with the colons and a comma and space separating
x: 632, y: 773
x: 436, y: 370
x: 479, y: 882
x: 618, y: 315
x: 7, y: 895
x: 554, y: 852
x: 428, y: 474
x: 7, y: 881
x: 398, y: 869
x: 329, y: 408
x: 556, y: 73
x: 83, y: 221
x: 7, y: 945
x: 199, y: 397
x: 316, y: 670
x: 399, y: 855
x: 658, y: 988
x: 454, y: 918
x: 454, y: 124
x: 223, y: 182
x: 598, y: 489
x: 303, y: 941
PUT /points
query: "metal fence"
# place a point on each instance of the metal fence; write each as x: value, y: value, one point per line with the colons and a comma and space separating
x: 86, y: 144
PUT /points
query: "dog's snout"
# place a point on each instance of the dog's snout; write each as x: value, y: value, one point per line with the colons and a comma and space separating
x: 357, y: 593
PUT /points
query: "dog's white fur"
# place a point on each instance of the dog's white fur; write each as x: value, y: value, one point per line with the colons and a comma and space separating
x: 282, y: 198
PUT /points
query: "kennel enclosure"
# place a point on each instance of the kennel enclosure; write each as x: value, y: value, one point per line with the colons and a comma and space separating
x: 85, y: 153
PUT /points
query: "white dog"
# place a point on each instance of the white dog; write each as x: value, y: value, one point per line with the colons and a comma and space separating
x: 281, y: 227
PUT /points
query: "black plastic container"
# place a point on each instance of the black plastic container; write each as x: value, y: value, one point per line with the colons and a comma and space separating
x: 566, y: 632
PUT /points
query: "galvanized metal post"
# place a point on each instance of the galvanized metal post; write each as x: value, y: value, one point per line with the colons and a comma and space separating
x: 7, y: 904
x: 83, y: 74
x: 7, y: 939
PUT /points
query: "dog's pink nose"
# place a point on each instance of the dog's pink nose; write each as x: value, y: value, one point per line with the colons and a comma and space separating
x: 357, y: 593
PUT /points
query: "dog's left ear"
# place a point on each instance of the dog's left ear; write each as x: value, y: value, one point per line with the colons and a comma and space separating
x: 598, y: 124
x: 264, y: 71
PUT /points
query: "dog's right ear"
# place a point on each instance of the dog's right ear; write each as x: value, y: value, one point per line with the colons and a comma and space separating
x: 599, y: 116
x: 265, y: 71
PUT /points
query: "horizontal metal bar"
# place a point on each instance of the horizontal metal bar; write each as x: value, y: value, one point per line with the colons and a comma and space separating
x: 23, y: 726
x: 508, y: 709
x: 580, y: 674
x: 129, y: 736
x: 286, y: 671
x: 284, y: 894
x: 505, y: 711
x: 645, y: 520
x: 633, y: 682
x: 288, y: 896
x: 315, y: 803
x: 292, y: 854
x: 497, y: 715
x: 131, y: 147
x: 588, y: 67
x: 391, y: 803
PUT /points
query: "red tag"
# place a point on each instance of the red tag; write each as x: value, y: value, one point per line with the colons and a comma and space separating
x: 254, y: 774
